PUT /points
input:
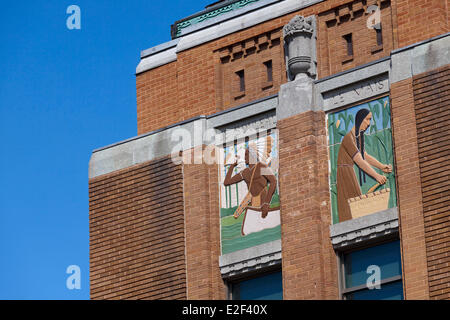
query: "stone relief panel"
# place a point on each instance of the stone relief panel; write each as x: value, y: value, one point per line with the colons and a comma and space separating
x: 248, y: 182
x: 362, y: 177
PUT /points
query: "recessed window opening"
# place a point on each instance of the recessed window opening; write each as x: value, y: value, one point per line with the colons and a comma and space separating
x: 349, y: 41
x: 379, y: 37
x: 264, y: 287
x: 241, y: 77
x: 269, y: 70
x: 373, y: 273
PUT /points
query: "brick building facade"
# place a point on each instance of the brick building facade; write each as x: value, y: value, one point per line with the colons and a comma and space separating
x: 288, y: 77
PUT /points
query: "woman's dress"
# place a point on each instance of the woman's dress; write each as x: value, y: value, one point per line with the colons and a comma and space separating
x: 346, y: 183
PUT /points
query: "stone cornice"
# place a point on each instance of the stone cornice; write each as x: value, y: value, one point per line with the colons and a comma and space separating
x: 250, y: 259
x: 215, y: 11
x: 352, y: 232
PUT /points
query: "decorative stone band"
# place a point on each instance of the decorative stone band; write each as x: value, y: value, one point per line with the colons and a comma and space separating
x: 352, y: 232
x: 251, y: 259
x: 299, y: 59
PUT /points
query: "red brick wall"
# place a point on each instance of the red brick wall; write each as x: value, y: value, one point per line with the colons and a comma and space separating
x: 196, y: 81
x: 136, y: 229
x: 201, y: 196
x: 412, y: 231
x: 351, y: 18
x: 157, y: 98
x: 418, y: 20
x: 249, y: 55
x: 309, y: 262
x: 432, y: 110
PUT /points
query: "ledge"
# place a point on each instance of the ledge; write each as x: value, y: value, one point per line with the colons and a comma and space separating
x: 159, y: 48
x: 251, y: 259
x: 146, y: 147
x: 420, y: 57
x: 244, y: 111
x: 349, y: 233
x: 353, y: 75
x: 155, y: 58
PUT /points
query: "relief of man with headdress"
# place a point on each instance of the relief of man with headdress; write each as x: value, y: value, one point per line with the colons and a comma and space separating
x: 261, y: 185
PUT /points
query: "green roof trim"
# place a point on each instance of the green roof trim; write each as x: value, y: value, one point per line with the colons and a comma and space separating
x: 213, y: 12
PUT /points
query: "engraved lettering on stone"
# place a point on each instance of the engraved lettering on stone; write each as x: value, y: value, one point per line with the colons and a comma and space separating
x: 244, y: 128
x: 340, y: 97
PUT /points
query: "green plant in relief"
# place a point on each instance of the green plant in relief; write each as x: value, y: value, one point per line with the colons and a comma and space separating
x: 384, y: 139
x: 386, y: 111
x: 383, y: 155
x: 387, y: 134
x: 387, y: 138
x: 331, y: 121
x: 374, y: 108
x: 334, y: 126
x: 333, y: 150
x: 332, y: 134
x: 334, y: 213
x: 348, y: 120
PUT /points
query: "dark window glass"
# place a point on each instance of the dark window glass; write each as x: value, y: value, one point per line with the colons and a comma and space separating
x: 349, y: 40
x: 379, y: 37
x: 269, y: 71
x: 267, y: 287
x: 386, y: 256
x: 358, y: 267
x: 388, y: 291
x: 241, y: 77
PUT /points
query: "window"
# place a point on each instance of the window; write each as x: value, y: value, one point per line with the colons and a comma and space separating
x: 241, y: 77
x: 349, y: 41
x: 379, y: 37
x: 361, y: 268
x: 268, y: 65
x: 266, y: 287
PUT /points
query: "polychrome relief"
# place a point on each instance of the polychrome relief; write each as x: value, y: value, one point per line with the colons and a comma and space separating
x: 362, y: 179
x: 249, y: 201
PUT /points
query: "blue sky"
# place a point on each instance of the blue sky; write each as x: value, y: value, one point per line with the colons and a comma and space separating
x: 64, y: 93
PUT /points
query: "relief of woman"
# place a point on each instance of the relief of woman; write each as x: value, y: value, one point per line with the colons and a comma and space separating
x: 351, y: 151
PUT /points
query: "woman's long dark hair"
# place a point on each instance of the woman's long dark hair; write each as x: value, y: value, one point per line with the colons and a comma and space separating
x: 359, y: 118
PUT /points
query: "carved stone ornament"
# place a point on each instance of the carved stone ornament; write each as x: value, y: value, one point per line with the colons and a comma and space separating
x: 296, y: 25
x: 298, y: 39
